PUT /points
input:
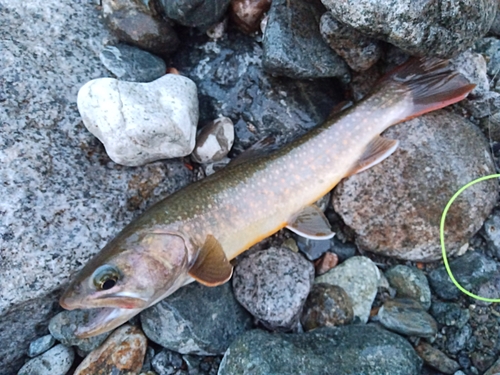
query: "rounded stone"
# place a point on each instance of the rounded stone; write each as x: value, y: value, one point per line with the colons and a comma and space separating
x: 273, y: 285
x: 326, y: 306
x: 410, y: 282
x: 41, y: 345
x: 214, y: 141
x: 436, y: 358
x: 395, y: 207
x: 55, y: 361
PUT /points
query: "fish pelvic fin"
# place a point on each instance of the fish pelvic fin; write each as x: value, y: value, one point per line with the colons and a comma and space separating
x: 432, y: 83
x: 311, y: 223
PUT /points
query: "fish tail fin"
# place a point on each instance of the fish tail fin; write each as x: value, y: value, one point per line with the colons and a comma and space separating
x: 432, y: 83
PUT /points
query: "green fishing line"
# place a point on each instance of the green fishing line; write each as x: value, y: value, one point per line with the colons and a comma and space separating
x: 441, y: 235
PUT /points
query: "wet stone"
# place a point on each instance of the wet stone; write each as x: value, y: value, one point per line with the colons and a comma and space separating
x: 470, y: 270
x: 56, y: 361
x: 293, y: 45
x: 129, y: 63
x: 449, y: 314
x: 195, y: 13
x: 358, y: 51
x: 41, y: 345
x: 167, y: 362
x: 327, y: 350
x: 63, y: 327
x: 410, y: 282
x: 326, y: 306
x: 436, y: 358
x: 458, y: 338
x: 407, y: 317
x: 359, y: 277
x: 121, y: 354
x: 273, y: 285
x: 177, y: 324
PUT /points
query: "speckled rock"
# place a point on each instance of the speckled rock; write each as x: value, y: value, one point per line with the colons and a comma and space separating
x: 357, y: 50
x: 176, y: 323
x: 63, y: 327
x: 141, y: 122
x: 167, y: 362
x: 484, y: 105
x: 295, y: 50
x: 337, y: 350
x: 56, y: 361
x: 491, y: 232
x: 449, y: 314
x: 247, y: 14
x: 473, y: 66
x: 407, y: 317
x: 214, y: 141
x: 427, y: 28
x: 395, y: 207
x: 490, y: 49
x: 359, y: 277
x: 195, y: 13
x: 458, y: 338
x: 121, y: 354
x: 135, y: 23
x: 273, y: 285
x: 41, y: 345
x: 495, y: 368
x: 410, y: 282
x: 469, y: 270
x: 129, y: 63
x: 326, y: 306
x: 436, y: 358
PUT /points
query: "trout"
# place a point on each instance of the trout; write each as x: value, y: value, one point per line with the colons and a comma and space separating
x: 195, y: 232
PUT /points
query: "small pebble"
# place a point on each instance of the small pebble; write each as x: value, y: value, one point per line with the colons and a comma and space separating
x: 167, y: 362
x: 407, y: 317
x: 326, y: 306
x: 449, y: 314
x: 55, y: 361
x: 195, y: 13
x: 436, y: 358
x: 326, y: 263
x: 491, y: 228
x: 410, y: 282
x: 247, y: 14
x: 458, y: 338
x: 41, y: 345
x: 494, y: 369
x: 214, y: 141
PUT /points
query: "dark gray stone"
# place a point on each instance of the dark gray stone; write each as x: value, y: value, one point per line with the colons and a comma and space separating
x: 344, y: 250
x: 195, y: 13
x: 129, y: 63
x: 196, y: 320
x: 313, y: 249
x: 491, y: 227
x: 293, y: 45
x: 470, y: 270
x: 410, y: 282
x: 482, y: 106
x: 56, y: 361
x: 273, y: 285
x: 41, y: 345
x: 490, y: 49
x: 449, y: 314
x: 495, y: 26
x: 356, y: 349
x: 420, y: 28
x: 458, y: 338
x: 167, y: 362
x: 407, y: 317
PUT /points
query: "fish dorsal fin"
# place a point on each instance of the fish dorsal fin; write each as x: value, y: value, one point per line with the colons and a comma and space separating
x: 379, y: 149
x: 311, y: 223
x: 262, y: 147
x: 211, y: 267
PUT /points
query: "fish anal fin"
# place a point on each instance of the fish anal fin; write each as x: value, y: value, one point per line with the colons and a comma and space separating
x: 377, y: 150
x: 311, y: 223
x: 211, y: 267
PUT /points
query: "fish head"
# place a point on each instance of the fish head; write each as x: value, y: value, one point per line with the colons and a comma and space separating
x: 126, y: 277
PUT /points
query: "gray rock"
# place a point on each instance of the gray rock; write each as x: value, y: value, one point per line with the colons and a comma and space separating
x: 436, y: 358
x: 292, y: 43
x: 490, y: 125
x: 214, y: 141
x: 196, y: 320
x: 490, y: 49
x: 473, y: 66
x: 484, y: 105
x: 273, y: 285
x: 313, y: 249
x: 195, y: 13
x: 358, y: 51
x: 491, y: 230
x: 167, y: 362
x: 56, y: 361
x: 407, y: 317
x: 135, y: 23
x: 141, y: 122
x: 344, y: 250
x: 326, y: 306
x: 469, y: 270
x: 395, y: 207
x: 359, y: 277
x: 449, y: 314
x: 148, y: 358
x: 63, y: 327
x: 337, y: 350
x: 458, y: 338
x: 231, y: 83
x: 41, y: 345
x: 410, y: 282
x: 129, y: 63
x: 495, y: 26
x: 495, y: 368
x: 427, y: 28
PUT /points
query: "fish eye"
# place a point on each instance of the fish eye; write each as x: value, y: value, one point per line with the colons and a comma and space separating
x: 105, y: 277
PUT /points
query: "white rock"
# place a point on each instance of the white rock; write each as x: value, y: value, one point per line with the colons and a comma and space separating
x: 56, y: 361
x: 141, y: 122
x: 214, y: 141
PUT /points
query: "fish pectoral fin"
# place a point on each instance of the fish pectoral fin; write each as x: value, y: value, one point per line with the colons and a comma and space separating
x: 379, y: 149
x: 211, y: 267
x: 311, y: 223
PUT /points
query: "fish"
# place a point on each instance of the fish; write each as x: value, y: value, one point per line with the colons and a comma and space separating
x: 194, y: 233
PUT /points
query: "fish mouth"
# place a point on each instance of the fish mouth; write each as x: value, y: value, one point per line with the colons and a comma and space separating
x: 120, y: 300
x: 105, y: 319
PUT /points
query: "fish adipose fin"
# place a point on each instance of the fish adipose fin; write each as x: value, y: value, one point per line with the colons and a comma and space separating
x: 211, y: 267
x: 311, y: 223
x: 379, y: 149
x: 432, y: 83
